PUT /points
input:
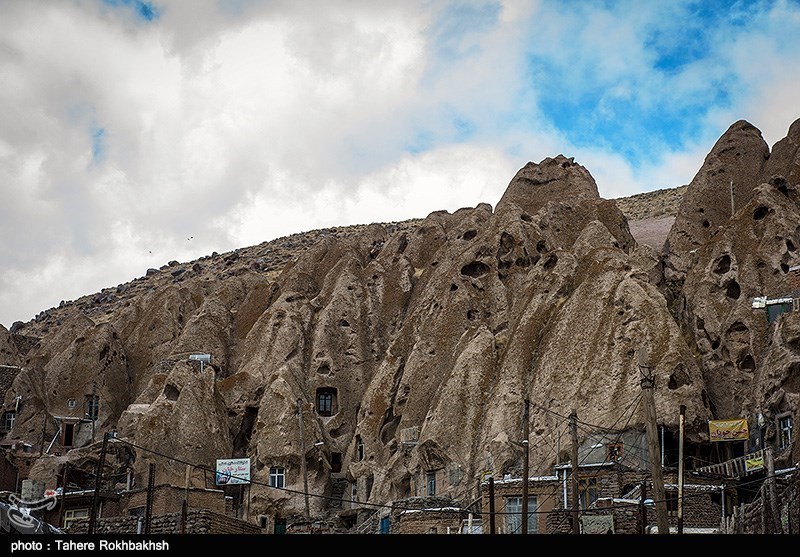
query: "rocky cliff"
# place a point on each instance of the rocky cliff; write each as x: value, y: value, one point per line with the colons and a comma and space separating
x: 378, y: 353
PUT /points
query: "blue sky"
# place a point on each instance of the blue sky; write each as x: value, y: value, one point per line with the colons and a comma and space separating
x: 136, y: 125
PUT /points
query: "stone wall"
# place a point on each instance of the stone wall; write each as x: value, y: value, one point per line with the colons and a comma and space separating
x: 430, y: 521
x: 198, y: 521
x: 169, y: 499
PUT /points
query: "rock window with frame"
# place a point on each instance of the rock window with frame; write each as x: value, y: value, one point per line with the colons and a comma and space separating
x: 430, y: 478
x: 785, y: 424
x: 326, y: 401
x: 277, y: 476
x: 9, y: 416
x: 359, y: 448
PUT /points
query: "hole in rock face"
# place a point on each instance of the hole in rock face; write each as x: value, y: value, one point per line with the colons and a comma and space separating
x: 171, y: 392
x: 790, y: 245
x: 470, y: 234
x: 733, y: 291
x: 678, y: 378
x: 706, y: 224
x: 784, y: 268
x: 760, y: 212
x: 403, y: 244
x: 475, y: 269
x: 526, y: 217
x: 541, y: 246
x: 715, y: 344
x: 723, y: 265
x: 747, y: 363
x: 507, y: 243
x: 551, y: 262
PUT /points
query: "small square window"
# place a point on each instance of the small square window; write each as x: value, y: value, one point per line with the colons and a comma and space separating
x: 277, y: 477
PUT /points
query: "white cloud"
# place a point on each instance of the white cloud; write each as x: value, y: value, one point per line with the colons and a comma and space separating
x: 238, y: 122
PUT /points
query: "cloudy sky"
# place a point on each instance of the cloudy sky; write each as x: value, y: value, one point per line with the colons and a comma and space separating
x: 137, y: 132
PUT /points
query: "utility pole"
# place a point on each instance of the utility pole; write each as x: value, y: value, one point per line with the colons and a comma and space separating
x: 648, y: 384
x: 732, y: 205
x: 303, y: 455
x: 643, y: 508
x: 525, y: 465
x: 682, y: 427
x: 97, y: 477
x: 491, y: 505
x: 773, y: 496
x: 148, y: 507
x: 573, y: 427
x: 94, y: 408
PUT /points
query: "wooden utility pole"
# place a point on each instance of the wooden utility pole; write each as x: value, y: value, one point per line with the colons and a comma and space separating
x: 682, y: 426
x: 525, y: 464
x: 94, y: 409
x: 303, y: 456
x: 148, y: 507
x: 643, y: 508
x: 573, y: 427
x: 491, y: 505
x: 97, y: 480
x: 773, y: 496
x: 648, y: 384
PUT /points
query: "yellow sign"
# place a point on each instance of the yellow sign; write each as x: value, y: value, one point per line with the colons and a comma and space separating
x: 754, y: 462
x: 728, y: 430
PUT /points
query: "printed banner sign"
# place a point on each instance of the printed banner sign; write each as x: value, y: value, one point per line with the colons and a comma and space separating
x: 754, y: 462
x: 728, y: 430
x: 233, y: 471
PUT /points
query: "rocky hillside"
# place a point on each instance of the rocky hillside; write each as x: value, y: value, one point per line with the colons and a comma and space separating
x: 374, y: 355
x: 649, y: 215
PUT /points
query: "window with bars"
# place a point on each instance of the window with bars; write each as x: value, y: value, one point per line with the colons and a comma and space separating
x: 513, y: 514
